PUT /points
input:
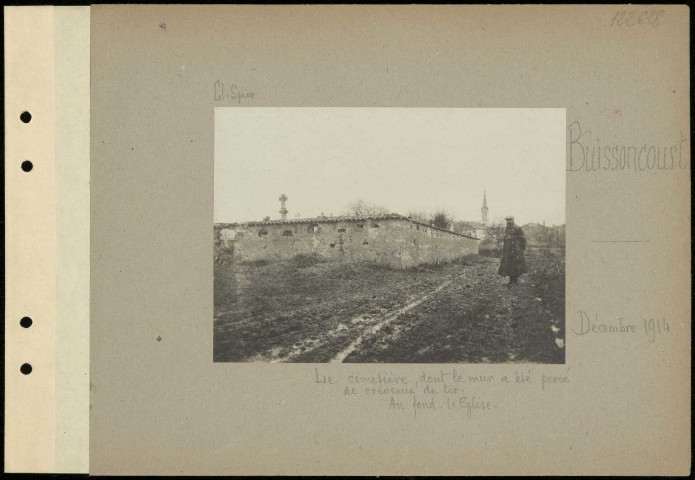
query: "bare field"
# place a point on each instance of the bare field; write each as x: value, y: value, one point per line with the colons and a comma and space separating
x: 310, y: 310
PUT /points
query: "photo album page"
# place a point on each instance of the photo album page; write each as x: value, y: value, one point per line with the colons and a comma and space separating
x: 348, y: 240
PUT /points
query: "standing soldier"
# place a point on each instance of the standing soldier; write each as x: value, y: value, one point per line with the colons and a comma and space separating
x: 513, y: 263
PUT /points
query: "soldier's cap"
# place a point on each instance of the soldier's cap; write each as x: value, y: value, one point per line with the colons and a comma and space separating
x: 508, y: 218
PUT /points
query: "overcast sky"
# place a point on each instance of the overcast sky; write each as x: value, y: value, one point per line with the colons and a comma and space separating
x: 404, y: 159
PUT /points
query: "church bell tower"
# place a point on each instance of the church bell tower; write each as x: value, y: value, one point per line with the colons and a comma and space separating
x: 483, y: 210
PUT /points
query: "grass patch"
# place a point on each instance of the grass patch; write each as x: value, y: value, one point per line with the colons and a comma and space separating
x: 465, y: 261
x: 495, y: 252
x: 304, y: 260
x: 255, y: 263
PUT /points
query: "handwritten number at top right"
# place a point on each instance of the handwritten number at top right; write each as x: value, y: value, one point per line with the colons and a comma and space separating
x: 630, y: 18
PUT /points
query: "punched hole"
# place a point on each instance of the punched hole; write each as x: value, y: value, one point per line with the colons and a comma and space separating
x: 25, y: 117
x: 26, y: 322
x: 25, y: 369
x: 27, y: 166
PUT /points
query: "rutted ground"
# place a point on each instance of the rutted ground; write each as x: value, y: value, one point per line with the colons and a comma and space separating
x: 311, y: 311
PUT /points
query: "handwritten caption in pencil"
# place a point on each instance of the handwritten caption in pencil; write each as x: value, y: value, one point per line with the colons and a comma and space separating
x: 587, y: 154
x: 651, y: 328
x: 431, y: 390
x: 232, y: 92
x: 631, y: 18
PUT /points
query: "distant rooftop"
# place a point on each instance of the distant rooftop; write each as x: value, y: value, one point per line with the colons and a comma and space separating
x: 387, y: 216
x: 475, y: 223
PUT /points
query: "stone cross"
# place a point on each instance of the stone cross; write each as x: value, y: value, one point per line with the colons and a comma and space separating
x: 283, y: 211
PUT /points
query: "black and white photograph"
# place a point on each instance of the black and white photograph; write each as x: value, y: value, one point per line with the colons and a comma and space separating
x: 389, y: 235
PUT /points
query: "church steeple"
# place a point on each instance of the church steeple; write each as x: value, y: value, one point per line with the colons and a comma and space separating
x: 484, y: 209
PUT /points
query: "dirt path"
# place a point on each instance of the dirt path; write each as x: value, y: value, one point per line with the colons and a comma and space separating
x: 477, y: 318
x: 385, y: 320
x: 455, y: 313
x: 374, y: 325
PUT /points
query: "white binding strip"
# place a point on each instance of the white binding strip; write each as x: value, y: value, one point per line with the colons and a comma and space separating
x: 30, y: 240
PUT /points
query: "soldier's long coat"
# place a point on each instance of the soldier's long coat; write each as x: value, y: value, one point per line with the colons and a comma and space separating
x: 513, y: 262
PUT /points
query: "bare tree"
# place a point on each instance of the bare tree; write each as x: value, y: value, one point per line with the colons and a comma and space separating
x: 422, y: 217
x: 442, y: 219
x: 361, y: 208
x: 494, y: 235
